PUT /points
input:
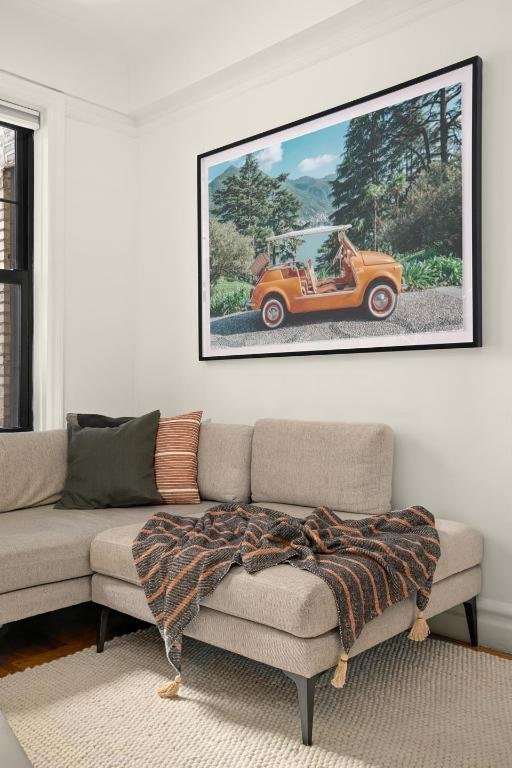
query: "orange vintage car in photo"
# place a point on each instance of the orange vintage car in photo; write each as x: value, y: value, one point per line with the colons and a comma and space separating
x: 368, y: 279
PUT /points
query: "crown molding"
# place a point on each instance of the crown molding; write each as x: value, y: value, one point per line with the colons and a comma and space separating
x: 97, y: 115
x: 348, y: 29
x: 359, y: 24
x: 30, y: 93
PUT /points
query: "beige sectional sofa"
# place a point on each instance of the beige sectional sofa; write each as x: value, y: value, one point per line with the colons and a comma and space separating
x: 282, y: 616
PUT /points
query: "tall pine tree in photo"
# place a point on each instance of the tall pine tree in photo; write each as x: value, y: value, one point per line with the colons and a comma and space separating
x: 257, y: 204
x: 363, y: 165
x: 389, y: 157
x: 360, y: 172
x: 244, y: 200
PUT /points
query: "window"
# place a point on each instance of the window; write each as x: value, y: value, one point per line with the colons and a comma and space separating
x: 16, y: 276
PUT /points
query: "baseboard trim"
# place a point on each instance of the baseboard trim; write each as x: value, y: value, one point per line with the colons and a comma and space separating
x: 494, y: 624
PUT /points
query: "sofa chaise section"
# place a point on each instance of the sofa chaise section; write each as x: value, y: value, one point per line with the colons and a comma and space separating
x: 281, y: 597
x: 283, y: 616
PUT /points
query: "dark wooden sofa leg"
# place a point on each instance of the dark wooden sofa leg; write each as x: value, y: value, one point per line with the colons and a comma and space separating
x: 472, y: 620
x: 306, y: 694
x: 102, y: 629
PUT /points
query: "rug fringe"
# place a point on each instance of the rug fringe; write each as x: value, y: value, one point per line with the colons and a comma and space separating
x: 170, y: 690
x: 340, y: 675
x: 420, y: 629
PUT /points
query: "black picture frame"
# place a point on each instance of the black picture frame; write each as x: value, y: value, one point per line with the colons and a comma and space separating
x: 475, y: 66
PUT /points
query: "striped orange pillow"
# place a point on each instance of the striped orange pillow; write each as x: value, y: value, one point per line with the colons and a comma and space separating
x: 176, y: 458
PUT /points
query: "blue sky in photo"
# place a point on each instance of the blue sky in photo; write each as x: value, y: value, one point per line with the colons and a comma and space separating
x: 314, y: 154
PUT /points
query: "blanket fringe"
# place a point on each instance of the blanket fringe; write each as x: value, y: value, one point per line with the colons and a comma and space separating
x: 340, y: 675
x: 170, y: 690
x: 420, y: 629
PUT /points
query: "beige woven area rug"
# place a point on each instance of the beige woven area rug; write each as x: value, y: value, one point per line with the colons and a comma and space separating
x: 410, y: 705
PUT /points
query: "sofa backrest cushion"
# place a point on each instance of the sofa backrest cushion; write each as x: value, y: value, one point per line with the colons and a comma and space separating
x: 32, y: 468
x: 224, y: 462
x: 344, y: 466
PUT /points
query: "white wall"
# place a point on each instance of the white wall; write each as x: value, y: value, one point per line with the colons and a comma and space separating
x: 451, y: 410
x: 100, y: 228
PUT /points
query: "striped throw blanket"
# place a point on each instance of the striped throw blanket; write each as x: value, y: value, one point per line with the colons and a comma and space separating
x: 369, y: 564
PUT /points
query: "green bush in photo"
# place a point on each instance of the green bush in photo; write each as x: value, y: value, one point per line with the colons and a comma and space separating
x: 447, y: 270
x: 229, y: 296
x: 426, y: 268
x: 417, y: 276
x: 231, y: 254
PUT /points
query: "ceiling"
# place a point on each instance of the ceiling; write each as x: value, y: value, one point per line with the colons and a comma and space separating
x: 132, y: 23
x: 129, y: 54
x: 128, y: 22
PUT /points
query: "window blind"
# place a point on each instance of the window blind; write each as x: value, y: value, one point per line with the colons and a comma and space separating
x: 14, y: 114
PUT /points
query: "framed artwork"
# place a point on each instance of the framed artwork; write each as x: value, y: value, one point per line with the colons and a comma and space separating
x: 354, y: 230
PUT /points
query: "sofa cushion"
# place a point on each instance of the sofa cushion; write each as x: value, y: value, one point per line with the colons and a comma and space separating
x: 347, y: 467
x: 43, y: 544
x: 32, y: 468
x: 93, y: 420
x: 96, y: 420
x: 224, y: 459
x: 282, y: 597
x: 112, y: 466
x: 176, y: 458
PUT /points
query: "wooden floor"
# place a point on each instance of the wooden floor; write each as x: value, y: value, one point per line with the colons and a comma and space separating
x: 43, y: 638
x: 47, y: 637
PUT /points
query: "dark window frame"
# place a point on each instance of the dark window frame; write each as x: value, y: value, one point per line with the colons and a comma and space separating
x: 23, y: 274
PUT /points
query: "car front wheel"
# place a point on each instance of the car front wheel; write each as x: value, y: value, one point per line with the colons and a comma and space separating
x: 380, y: 301
x: 273, y: 312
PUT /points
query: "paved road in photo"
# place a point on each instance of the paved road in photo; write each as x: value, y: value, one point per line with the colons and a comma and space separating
x: 435, y: 309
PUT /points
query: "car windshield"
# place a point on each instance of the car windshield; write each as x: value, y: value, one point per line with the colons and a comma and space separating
x: 320, y: 245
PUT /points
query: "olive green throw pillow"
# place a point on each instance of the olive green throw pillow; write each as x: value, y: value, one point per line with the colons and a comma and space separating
x: 112, y: 466
x: 92, y: 420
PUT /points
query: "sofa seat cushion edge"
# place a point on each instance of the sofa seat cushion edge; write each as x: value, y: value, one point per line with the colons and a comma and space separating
x: 283, y: 597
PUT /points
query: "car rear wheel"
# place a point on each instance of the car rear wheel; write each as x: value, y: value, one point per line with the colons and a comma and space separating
x: 273, y: 312
x: 380, y: 301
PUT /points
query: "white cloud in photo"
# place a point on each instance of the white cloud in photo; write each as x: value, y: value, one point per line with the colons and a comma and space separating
x: 311, y: 164
x: 269, y: 156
